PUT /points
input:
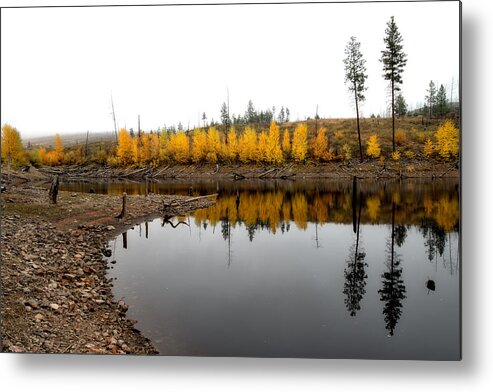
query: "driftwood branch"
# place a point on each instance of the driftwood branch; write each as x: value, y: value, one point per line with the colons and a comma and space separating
x: 267, y: 172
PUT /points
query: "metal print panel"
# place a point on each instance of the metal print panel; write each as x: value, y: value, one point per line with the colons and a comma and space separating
x: 263, y: 180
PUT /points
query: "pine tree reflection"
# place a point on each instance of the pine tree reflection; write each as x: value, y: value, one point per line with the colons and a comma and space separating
x: 354, y: 274
x: 393, y: 290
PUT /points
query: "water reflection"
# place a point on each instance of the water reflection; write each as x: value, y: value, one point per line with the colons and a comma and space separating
x: 393, y: 290
x: 354, y: 274
x: 283, y: 260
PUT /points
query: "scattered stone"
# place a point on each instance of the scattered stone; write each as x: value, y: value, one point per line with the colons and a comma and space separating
x: 32, y: 303
x: 122, y: 306
x: 54, y: 261
x: 39, y: 316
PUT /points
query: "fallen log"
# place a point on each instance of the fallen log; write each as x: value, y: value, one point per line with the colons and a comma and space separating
x: 160, y: 171
x: 267, y: 172
x: 176, y: 202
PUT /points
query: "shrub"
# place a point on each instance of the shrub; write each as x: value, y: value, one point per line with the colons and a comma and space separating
x: 428, y: 148
x: 373, y: 147
x: 400, y: 137
x: 447, y: 136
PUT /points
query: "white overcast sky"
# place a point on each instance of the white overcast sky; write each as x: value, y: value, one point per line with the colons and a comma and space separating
x: 168, y: 64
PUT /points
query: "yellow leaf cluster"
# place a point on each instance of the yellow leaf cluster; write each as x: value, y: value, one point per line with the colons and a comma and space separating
x: 199, y: 146
x: 373, y: 147
x: 179, y: 147
x: 299, y: 147
x: 319, y: 146
x: 125, y: 151
x: 247, y: 146
x: 428, y: 148
x: 286, y: 143
x: 447, y: 136
x: 12, y: 150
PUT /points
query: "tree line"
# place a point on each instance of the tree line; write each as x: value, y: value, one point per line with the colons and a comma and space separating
x: 257, y: 144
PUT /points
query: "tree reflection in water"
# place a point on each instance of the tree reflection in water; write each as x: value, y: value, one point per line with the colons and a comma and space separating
x: 393, y: 291
x: 354, y: 274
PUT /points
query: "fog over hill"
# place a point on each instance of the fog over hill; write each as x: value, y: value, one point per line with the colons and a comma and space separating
x: 69, y: 139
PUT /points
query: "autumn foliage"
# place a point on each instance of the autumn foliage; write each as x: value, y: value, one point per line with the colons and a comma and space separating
x: 247, y: 144
x: 12, y: 151
x: 373, y: 147
x: 447, y: 137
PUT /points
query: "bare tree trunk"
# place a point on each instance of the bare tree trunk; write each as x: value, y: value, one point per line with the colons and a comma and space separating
x: 357, y: 122
x: 114, y: 119
x: 393, y: 119
x: 54, y: 190
x: 86, y: 150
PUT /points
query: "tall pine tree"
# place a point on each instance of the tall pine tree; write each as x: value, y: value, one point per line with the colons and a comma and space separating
x: 431, y: 99
x: 355, y: 76
x: 394, y: 60
x: 441, y: 102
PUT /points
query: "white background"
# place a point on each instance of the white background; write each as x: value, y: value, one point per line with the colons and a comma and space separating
x: 171, y: 64
x: 473, y: 373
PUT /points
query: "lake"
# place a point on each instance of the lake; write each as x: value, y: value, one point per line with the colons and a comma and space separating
x: 318, y: 269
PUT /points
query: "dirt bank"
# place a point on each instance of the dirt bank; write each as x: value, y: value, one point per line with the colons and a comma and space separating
x: 369, y: 169
x: 56, y: 297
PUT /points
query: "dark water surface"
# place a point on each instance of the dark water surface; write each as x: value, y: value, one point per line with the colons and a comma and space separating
x: 297, y: 269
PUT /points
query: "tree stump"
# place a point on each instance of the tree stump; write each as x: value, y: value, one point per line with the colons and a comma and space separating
x: 124, y: 206
x: 54, y: 190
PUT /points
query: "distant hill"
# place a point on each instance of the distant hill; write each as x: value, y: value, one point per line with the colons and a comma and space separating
x: 70, y: 139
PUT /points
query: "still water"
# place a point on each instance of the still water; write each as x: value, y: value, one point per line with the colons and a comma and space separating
x: 317, y: 269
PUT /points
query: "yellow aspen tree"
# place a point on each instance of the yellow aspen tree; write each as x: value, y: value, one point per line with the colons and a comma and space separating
x: 136, y: 156
x: 213, y: 145
x: 145, y: 148
x: 59, y: 155
x: 299, y: 147
x: 428, y: 148
x: 346, y: 152
x: 154, y: 148
x: 231, y: 149
x: 319, y: 145
x: 247, y: 146
x: 12, y: 150
x: 52, y: 158
x: 163, y: 147
x: 42, y: 155
x: 447, y: 136
x: 262, y: 147
x: 199, y: 146
x: 373, y: 147
x: 180, y: 147
x: 125, y: 149
x: 286, y: 143
x: 274, y: 151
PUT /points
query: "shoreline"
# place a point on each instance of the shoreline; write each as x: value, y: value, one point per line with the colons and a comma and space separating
x: 56, y: 297
x: 331, y: 170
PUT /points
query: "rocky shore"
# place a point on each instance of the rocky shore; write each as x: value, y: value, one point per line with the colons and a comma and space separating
x: 55, y: 296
